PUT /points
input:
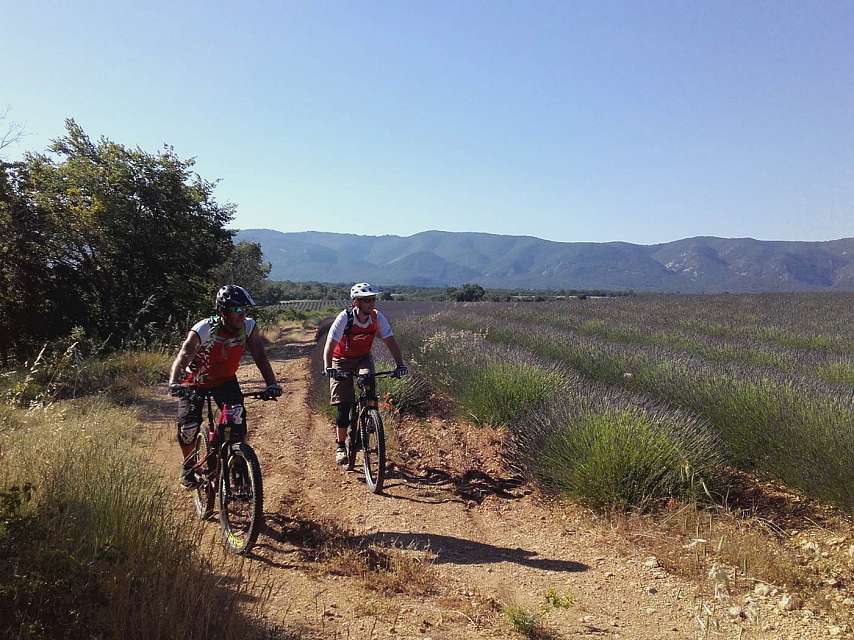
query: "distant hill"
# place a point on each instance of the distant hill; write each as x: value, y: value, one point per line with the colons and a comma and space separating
x: 439, y: 258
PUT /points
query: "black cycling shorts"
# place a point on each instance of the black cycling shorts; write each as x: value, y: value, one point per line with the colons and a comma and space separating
x: 190, y: 409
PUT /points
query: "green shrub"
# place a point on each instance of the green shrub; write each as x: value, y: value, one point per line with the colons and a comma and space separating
x: 410, y: 394
x: 837, y: 372
x: 498, y: 392
x: 491, y: 385
x: 557, y: 600
x: 522, y: 620
x: 625, y: 456
x: 793, y: 429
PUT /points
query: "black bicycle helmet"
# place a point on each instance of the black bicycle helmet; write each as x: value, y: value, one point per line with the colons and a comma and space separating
x: 233, y: 296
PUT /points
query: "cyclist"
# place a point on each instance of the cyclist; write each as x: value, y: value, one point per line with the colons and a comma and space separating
x: 208, y: 359
x: 348, y: 348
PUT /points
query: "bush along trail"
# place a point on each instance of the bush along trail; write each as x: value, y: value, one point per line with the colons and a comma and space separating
x: 462, y: 545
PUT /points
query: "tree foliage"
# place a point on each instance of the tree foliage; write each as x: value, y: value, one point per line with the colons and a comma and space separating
x: 277, y: 291
x: 244, y: 266
x: 469, y: 292
x: 106, y: 238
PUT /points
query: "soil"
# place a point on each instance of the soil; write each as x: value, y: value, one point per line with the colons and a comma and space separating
x: 477, y: 539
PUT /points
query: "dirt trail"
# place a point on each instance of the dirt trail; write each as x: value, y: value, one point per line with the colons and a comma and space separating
x: 490, y: 543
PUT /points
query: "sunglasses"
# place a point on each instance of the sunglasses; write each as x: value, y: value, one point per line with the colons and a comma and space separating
x: 367, y: 299
x: 236, y: 309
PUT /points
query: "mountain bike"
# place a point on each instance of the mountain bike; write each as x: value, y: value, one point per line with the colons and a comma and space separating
x: 227, y: 468
x: 366, y: 428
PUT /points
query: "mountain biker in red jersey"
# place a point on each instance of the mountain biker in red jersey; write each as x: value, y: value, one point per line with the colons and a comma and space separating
x: 208, y: 359
x: 348, y: 348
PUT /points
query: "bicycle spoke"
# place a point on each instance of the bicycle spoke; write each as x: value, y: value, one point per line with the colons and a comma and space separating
x: 241, y: 498
x: 374, y: 450
x: 205, y: 494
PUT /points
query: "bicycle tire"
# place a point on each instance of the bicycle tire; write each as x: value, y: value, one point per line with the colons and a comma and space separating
x: 204, y: 496
x: 352, y: 440
x: 373, y: 450
x: 240, y: 483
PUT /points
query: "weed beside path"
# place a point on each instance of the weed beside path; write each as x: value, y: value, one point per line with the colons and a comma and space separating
x: 93, y: 545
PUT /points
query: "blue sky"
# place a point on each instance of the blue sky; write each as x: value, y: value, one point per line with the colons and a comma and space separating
x: 573, y: 121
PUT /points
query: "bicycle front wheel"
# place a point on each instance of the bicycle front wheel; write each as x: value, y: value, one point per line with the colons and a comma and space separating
x: 241, y: 496
x: 373, y: 450
x: 204, y: 496
x: 353, y: 443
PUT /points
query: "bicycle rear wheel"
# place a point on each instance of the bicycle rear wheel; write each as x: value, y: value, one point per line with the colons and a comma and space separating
x: 205, y: 494
x: 373, y: 450
x: 241, y: 495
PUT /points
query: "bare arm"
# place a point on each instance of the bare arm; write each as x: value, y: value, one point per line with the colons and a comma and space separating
x: 337, y: 327
x: 259, y: 354
x: 327, y: 353
x: 394, y: 348
x: 185, y: 356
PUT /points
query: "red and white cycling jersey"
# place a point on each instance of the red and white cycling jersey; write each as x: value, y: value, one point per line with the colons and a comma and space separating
x: 219, y: 354
x: 359, y: 340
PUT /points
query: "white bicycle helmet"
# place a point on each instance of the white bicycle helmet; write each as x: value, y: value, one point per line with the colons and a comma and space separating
x: 362, y: 290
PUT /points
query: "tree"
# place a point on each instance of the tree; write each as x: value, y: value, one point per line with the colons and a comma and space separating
x: 469, y: 292
x: 27, y: 285
x: 12, y: 132
x: 110, y: 239
x: 245, y: 266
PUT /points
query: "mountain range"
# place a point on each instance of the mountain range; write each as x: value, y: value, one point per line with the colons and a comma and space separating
x: 441, y: 258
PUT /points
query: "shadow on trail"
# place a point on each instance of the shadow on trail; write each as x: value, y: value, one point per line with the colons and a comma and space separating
x: 309, y: 537
x: 313, y: 539
x: 276, y: 530
x: 453, y: 550
x: 472, y: 486
x: 300, y: 532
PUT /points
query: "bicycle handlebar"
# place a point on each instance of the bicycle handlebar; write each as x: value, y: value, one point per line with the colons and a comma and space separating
x: 186, y: 391
x: 343, y: 375
x: 262, y: 394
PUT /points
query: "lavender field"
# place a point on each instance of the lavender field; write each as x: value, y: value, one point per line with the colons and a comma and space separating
x: 630, y: 401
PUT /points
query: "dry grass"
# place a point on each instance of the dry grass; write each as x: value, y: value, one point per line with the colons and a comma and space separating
x: 377, y: 566
x: 712, y: 546
x: 281, y: 332
x: 94, y: 545
x: 475, y: 608
x: 382, y: 569
x: 693, y: 538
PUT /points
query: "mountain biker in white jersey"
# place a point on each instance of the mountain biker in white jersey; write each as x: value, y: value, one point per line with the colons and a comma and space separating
x: 209, y: 359
x: 348, y: 348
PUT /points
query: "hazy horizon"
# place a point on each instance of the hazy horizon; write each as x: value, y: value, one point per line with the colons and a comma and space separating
x: 528, y: 235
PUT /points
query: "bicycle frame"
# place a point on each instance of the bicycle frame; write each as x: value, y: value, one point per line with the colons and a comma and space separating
x: 218, y: 436
x: 366, y: 398
x: 365, y: 431
x: 218, y: 450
